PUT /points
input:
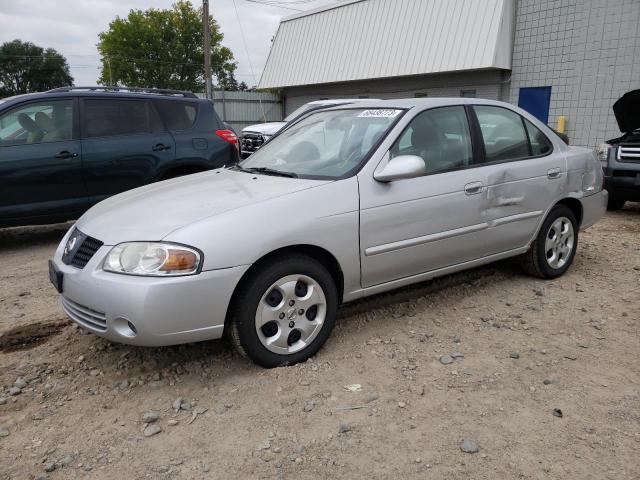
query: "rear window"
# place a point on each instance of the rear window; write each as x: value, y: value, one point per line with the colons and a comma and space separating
x: 110, y: 117
x: 178, y: 115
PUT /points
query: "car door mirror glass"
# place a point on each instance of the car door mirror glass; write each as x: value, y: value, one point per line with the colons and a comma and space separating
x: 401, y: 167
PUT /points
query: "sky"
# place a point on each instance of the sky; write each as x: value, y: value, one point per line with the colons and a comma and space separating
x: 72, y: 27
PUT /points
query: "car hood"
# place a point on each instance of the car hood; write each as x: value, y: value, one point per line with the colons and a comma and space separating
x: 627, y: 111
x: 154, y: 211
x: 269, y: 129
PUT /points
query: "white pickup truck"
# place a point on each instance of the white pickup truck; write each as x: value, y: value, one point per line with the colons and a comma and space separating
x: 254, y: 136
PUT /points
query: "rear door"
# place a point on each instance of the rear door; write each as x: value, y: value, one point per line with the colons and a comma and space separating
x: 124, y: 145
x: 524, y: 175
x: 196, y: 128
x: 41, y: 161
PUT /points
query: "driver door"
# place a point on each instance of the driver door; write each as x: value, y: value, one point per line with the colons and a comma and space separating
x: 422, y: 224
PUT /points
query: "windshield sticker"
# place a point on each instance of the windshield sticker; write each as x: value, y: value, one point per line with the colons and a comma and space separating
x: 380, y: 113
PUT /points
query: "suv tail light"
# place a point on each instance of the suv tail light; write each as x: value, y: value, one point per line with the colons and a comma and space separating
x: 229, y: 136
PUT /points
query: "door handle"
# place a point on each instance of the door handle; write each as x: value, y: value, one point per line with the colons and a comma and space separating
x: 66, y: 155
x: 160, y: 148
x: 554, y: 173
x: 473, y: 188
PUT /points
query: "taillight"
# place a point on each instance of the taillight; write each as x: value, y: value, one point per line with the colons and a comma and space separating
x: 229, y: 136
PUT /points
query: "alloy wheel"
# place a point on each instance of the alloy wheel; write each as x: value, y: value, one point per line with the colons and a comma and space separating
x: 559, y: 242
x: 290, y: 314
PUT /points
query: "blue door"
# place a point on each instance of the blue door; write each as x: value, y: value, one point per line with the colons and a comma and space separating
x: 536, y: 101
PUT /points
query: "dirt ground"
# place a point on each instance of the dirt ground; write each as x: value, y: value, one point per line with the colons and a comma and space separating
x: 522, y: 347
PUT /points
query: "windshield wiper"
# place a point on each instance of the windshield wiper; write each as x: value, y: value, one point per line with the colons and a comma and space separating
x: 266, y: 171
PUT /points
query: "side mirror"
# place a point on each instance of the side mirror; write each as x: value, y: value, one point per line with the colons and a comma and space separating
x: 398, y: 168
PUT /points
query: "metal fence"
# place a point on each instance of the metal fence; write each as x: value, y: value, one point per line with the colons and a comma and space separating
x: 240, y: 109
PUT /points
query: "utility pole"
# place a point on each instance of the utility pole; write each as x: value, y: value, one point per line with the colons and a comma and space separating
x: 110, y: 76
x: 207, y: 49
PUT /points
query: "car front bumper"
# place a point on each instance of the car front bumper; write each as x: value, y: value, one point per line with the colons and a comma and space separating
x: 625, y: 186
x: 146, y: 311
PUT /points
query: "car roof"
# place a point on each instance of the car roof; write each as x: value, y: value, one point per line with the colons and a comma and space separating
x: 339, y: 101
x: 407, y: 103
x: 101, y: 93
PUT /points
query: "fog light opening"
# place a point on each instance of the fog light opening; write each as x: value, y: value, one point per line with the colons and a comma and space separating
x: 132, y: 327
x: 125, y: 327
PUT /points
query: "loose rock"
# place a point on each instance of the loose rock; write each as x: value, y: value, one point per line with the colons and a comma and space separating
x: 446, y: 360
x: 152, y: 429
x: 468, y: 446
x: 344, y: 428
x: 150, y: 417
x: 372, y: 397
x: 515, y: 355
x: 13, y: 391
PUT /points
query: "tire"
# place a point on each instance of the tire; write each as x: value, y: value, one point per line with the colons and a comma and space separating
x: 548, y: 258
x: 615, y: 203
x: 263, y: 322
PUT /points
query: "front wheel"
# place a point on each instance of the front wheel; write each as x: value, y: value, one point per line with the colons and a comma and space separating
x: 284, y: 312
x: 554, y: 249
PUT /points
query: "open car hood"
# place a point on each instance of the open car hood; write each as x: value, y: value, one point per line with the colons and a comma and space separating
x: 627, y: 111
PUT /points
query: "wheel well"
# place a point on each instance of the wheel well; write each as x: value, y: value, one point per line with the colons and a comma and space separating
x: 317, y: 253
x: 575, y: 206
x: 182, y: 170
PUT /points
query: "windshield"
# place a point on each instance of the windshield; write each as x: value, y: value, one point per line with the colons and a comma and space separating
x: 299, y: 111
x: 326, y: 144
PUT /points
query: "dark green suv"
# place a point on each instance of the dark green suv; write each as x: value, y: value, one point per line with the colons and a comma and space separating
x: 64, y: 150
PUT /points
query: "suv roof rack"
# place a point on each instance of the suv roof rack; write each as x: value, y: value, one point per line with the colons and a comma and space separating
x: 153, y: 91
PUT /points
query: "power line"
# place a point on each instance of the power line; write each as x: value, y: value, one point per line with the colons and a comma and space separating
x: 246, y: 49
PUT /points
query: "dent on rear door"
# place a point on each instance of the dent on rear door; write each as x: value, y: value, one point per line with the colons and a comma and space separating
x: 519, y: 194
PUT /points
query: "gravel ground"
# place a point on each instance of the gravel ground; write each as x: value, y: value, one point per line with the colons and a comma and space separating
x: 482, y: 375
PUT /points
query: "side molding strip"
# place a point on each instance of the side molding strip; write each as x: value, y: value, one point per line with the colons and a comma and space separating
x: 412, y: 242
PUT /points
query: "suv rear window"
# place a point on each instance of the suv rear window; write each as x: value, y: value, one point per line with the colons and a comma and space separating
x: 109, y: 117
x: 178, y: 115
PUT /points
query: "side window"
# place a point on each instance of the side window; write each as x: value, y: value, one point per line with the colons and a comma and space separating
x: 503, y: 133
x: 110, y: 117
x: 540, y: 144
x: 41, y: 122
x: 440, y: 136
x: 178, y: 115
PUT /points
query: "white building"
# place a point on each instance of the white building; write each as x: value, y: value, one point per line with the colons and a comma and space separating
x: 570, y: 58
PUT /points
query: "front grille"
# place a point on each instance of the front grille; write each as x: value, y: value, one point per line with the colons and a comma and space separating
x: 629, y: 153
x: 85, y: 316
x: 80, y: 248
x: 251, y: 142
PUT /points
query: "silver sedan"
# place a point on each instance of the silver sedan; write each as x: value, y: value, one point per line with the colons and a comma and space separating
x: 348, y: 202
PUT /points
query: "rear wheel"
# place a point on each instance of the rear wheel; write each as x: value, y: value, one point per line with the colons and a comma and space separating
x: 284, y: 312
x: 615, y: 203
x: 554, y: 249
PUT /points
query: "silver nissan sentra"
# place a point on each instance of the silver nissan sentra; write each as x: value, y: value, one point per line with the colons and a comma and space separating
x: 345, y: 203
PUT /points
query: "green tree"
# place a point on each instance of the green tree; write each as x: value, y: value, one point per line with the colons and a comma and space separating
x: 228, y: 82
x: 25, y: 67
x: 162, y: 49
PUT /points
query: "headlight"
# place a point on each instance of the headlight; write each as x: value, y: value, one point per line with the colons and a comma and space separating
x: 602, y: 151
x: 155, y: 259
